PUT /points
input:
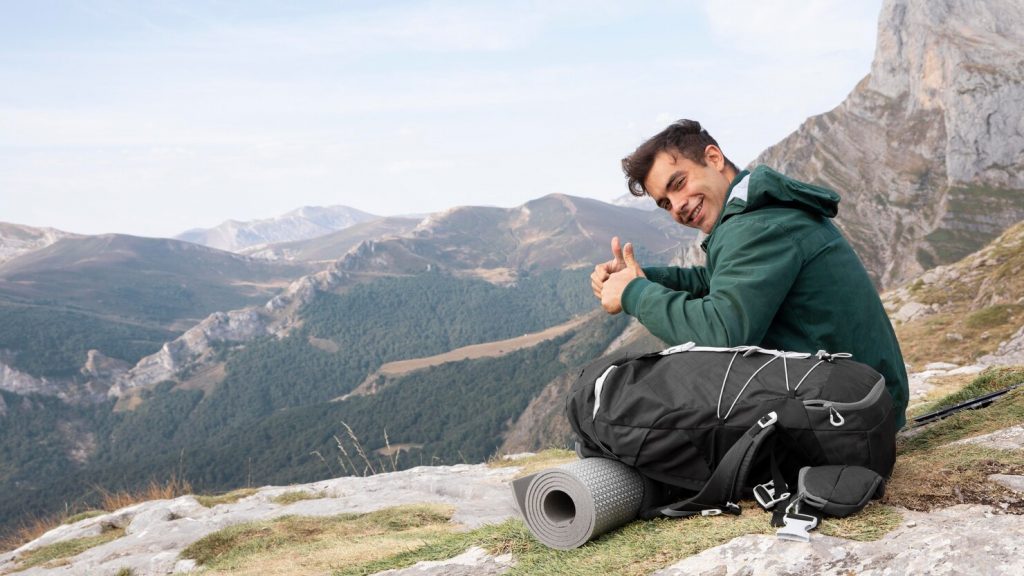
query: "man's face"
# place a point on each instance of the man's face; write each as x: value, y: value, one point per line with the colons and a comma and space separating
x: 693, y: 194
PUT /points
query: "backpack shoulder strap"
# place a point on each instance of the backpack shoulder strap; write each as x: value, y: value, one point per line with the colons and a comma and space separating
x: 723, y: 488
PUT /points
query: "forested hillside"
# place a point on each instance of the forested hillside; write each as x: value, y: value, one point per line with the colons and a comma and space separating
x: 122, y: 295
x: 272, y: 409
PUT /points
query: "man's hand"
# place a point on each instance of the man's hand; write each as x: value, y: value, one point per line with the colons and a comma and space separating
x: 604, y: 270
x: 615, y: 285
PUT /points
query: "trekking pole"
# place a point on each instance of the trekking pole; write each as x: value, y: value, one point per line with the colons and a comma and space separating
x: 972, y: 404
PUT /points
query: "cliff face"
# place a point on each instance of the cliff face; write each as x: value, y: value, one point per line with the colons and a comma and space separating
x: 928, y: 150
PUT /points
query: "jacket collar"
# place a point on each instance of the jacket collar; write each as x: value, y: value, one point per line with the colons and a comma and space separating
x: 735, y: 201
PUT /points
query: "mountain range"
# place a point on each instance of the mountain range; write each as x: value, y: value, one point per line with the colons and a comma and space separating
x: 125, y: 359
x: 274, y: 355
x: 300, y: 224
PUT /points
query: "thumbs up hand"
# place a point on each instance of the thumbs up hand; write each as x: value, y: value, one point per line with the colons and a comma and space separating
x: 615, y: 284
x: 605, y: 269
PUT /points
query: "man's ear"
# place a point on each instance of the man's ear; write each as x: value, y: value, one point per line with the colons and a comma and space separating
x: 713, y: 156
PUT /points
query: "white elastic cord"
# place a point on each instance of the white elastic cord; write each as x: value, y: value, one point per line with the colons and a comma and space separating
x: 718, y: 412
x: 785, y: 370
x: 806, y: 375
x: 598, y: 388
x: 735, y: 400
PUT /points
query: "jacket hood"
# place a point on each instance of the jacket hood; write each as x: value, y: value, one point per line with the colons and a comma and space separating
x: 766, y: 187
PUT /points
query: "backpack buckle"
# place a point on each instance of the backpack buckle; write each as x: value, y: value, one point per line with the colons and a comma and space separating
x: 768, y: 419
x: 797, y: 527
x: 765, y: 495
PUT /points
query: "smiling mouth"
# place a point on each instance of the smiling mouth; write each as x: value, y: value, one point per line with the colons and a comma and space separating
x: 695, y: 212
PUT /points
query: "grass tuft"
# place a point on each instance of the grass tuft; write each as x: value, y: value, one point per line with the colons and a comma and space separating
x: 66, y: 549
x: 83, y: 516
x: 174, y: 486
x: 991, y: 380
x: 312, y: 545
x: 228, y: 498
x: 293, y: 496
x: 535, y: 462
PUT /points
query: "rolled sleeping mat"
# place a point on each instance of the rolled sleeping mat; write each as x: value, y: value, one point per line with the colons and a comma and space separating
x: 566, y: 506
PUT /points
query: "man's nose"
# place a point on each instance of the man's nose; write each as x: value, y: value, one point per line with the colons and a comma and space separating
x: 678, y: 206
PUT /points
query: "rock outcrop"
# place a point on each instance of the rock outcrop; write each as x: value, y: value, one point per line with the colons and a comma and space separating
x: 1009, y: 353
x: 157, y: 531
x: 928, y: 150
x: 191, y: 348
x: 958, y: 540
x: 963, y: 539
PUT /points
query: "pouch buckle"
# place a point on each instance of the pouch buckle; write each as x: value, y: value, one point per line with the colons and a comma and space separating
x: 797, y: 527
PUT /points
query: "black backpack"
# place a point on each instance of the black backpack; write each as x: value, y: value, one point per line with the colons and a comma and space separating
x: 726, y: 422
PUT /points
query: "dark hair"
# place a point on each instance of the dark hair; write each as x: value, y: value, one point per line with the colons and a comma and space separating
x: 685, y: 136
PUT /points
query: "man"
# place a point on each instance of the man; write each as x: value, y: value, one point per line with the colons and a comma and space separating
x: 779, y: 274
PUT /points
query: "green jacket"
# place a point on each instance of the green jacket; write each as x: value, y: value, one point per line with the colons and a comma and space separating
x: 779, y: 275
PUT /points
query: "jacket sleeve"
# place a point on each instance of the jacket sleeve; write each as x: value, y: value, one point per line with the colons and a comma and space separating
x: 752, y: 272
x: 693, y: 280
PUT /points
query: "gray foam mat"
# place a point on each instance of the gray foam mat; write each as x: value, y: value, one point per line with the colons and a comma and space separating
x: 566, y: 506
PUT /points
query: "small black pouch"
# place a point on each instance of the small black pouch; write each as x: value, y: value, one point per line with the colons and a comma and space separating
x: 839, y: 490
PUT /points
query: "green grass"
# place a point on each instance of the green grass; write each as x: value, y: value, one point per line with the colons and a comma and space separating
x: 536, y: 462
x: 228, y: 498
x: 992, y: 316
x: 291, y: 537
x: 993, y: 418
x: 66, y: 549
x: 293, y: 496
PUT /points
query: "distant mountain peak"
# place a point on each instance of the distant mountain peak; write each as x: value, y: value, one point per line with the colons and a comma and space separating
x: 18, y: 239
x: 299, y: 224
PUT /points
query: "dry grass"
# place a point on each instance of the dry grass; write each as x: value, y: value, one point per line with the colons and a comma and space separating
x: 52, y: 556
x: 932, y: 472
x: 293, y: 496
x: 941, y: 386
x: 494, y: 349
x: 979, y: 304
x: 174, y: 486
x: 228, y: 498
x: 29, y: 529
x: 535, y: 462
x: 33, y: 528
x: 315, y: 545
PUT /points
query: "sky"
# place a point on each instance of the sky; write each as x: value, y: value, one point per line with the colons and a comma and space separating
x: 151, y: 118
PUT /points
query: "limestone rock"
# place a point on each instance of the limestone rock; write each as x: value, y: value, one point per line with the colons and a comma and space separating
x: 72, y: 391
x: 958, y: 540
x: 473, y: 562
x: 191, y: 347
x: 1015, y: 483
x: 14, y: 380
x: 1010, y: 352
x: 97, y: 365
x: 157, y: 531
x: 927, y: 151
x: 1007, y: 439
